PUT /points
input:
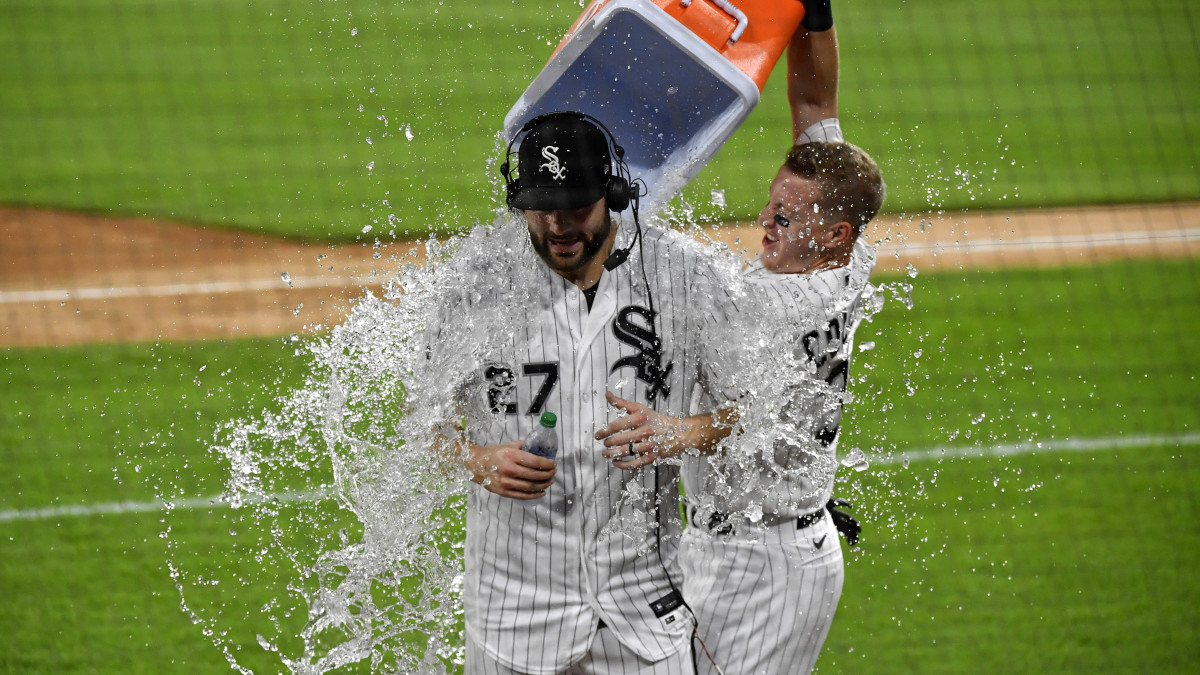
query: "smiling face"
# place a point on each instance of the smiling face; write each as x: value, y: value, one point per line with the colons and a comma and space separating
x: 573, y: 242
x: 796, y: 239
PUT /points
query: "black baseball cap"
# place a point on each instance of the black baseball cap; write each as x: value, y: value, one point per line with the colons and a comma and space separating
x: 563, y: 163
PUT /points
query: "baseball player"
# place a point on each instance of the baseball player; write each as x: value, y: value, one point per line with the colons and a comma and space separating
x: 764, y: 593
x: 570, y: 561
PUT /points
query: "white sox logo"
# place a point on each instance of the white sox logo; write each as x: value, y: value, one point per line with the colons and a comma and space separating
x: 648, y: 360
x: 552, y: 164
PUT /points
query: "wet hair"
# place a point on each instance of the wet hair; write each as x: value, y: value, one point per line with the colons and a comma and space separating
x: 851, y: 187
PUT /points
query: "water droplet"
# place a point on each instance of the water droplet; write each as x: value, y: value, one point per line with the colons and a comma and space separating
x: 857, y: 459
x: 754, y: 513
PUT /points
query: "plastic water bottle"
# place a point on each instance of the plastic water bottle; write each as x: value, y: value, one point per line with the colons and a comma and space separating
x: 543, y: 441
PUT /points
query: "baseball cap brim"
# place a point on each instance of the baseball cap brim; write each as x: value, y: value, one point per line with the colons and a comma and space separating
x: 556, y: 198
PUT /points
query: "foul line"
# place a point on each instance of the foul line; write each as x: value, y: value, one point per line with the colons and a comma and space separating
x: 1068, y: 445
x: 161, y: 505
x: 1030, y: 447
x: 168, y: 290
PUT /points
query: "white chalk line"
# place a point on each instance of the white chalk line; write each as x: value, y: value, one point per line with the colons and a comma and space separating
x: 188, y: 504
x: 912, y: 456
x: 168, y: 290
x: 1098, y: 240
x: 1030, y: 447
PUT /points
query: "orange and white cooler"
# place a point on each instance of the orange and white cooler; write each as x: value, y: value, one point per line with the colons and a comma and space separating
x: 672, y: 79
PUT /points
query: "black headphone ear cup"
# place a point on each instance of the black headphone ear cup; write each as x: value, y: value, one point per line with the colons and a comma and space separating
x: 618, y: 194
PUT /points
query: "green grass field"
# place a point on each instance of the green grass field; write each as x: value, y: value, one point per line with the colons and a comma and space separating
x: 1048, y: 562
x: 294, y: 118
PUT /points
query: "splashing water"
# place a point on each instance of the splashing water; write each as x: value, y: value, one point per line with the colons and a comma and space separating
x: 345, y: 518
x: 345, y: 526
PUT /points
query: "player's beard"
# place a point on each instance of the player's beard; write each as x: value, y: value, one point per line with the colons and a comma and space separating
x: 593, y: 243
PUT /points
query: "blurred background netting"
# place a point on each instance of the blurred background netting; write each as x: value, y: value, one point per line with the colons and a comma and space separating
x: 182, y: 182
x: 314, y: 119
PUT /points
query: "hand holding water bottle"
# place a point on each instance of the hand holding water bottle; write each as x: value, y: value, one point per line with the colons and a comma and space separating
x: 521, y: 469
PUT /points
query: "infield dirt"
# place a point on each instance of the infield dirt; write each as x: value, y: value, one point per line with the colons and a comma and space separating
x: 68, y: 278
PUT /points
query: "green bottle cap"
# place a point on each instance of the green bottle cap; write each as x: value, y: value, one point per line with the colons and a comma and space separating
x: 549, y: 419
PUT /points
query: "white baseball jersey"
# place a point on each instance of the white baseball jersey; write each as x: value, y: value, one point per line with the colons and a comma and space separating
x: 765, y: 596
x: 819, y: 314
x: 542, y: 574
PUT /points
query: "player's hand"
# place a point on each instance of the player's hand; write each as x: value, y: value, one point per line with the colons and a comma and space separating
x: 638, y: 437
x: 509, y: 471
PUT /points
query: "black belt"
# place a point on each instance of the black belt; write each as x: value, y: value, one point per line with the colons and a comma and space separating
x: 719, y: 523
x: 810, y: 519
x: 849, y: 528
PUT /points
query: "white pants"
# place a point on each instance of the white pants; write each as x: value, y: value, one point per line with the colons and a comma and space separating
x: 764, y: 603
x: 607, y: 656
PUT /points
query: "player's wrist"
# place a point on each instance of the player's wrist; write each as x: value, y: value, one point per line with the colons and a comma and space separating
x: 479, y: 462
x: 701, y: 433
x: 818, y: 15
x: 828, y: 130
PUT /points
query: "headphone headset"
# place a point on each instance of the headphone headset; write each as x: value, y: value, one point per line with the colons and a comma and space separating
x: 619, y: 191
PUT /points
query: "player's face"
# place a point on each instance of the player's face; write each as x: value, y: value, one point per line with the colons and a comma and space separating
x: 571, y: 241
x: 792, y: 224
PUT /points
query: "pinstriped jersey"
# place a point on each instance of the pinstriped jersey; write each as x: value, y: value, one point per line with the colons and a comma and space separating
x: 817, y: 315
x: 541, y: 574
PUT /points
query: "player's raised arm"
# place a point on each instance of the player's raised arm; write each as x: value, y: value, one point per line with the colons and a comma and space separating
x: 812, y: 62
